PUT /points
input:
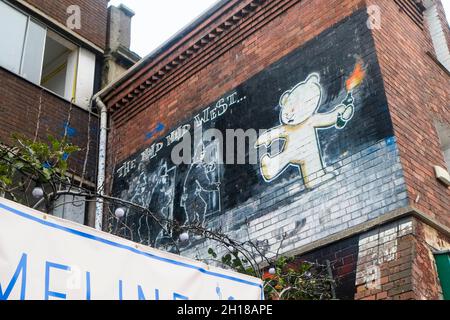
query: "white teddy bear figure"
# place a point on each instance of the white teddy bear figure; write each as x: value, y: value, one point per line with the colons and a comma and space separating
x: 299, y: 124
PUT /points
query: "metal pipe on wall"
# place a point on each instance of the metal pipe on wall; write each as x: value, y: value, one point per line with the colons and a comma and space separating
x: 101, y: 162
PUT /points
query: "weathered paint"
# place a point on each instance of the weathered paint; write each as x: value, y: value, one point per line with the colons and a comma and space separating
x: 354, y: 174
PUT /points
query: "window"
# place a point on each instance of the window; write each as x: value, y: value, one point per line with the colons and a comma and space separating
x: 444, y: 136
x: 22, y: 50
x: 33, y: 52
x: 44, y: 57
x: 59, y: 65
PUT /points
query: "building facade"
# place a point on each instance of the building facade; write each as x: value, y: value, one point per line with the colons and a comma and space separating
x: 51, y: 64
x: 316, y: 128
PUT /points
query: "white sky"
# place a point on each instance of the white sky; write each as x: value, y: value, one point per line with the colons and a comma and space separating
x: 446, y: 4
x: 157, y: 20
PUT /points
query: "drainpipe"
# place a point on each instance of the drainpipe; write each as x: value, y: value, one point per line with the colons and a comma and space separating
x: 101, y: 162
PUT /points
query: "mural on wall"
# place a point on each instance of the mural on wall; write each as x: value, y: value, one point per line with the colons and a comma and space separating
x: 156, y: 191
x: 201, y: 187
x: 299, y: 124
x: 314, y: 111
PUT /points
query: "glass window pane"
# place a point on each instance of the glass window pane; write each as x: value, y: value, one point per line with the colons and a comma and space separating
x: 33, y: 54
x: 13, y: 25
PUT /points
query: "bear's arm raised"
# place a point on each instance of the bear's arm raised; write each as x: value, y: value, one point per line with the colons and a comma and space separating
x: 271, y: 135
x: 326, y: 120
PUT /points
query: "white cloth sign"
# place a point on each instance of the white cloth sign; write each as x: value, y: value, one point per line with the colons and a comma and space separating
x: 43, y: 257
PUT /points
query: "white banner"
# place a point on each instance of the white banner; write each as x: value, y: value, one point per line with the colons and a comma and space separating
x: 43, y: 257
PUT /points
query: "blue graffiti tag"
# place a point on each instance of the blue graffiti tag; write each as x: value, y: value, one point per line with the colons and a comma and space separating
x: 68, y: 130
x: 159, y: 127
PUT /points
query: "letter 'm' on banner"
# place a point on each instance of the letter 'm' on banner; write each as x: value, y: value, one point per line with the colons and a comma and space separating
x: 21, y: 269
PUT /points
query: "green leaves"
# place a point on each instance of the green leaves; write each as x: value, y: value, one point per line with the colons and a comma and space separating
x: 233, y: 261
x: 293, y: 279
x: 298, y: 280
x: 46, y: 159
x: 39, y: 161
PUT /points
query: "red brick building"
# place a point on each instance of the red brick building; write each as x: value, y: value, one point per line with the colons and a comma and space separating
x: 51, y: 64
x: 358, y: 94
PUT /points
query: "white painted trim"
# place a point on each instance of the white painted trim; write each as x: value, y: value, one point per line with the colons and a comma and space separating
x: 71, y: 76
x: 441, y: 47
x: 101, y: 171
x: 442, y: 175
x: 85, y: 77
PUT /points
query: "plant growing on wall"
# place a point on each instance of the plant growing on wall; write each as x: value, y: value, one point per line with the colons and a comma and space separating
x: 287, y: 278
x: 293, y: 280
x: 34, y: 164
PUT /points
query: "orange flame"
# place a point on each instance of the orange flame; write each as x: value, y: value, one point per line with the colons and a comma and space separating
x: 356, y: 78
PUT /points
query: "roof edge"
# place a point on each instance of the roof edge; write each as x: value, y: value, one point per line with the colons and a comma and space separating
x: 163, y: 47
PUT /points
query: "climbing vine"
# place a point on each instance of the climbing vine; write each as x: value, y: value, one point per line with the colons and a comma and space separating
x: 286, y: 278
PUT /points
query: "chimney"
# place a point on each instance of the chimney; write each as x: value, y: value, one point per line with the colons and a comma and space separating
x: 118, y: 56
x: 119, y: 27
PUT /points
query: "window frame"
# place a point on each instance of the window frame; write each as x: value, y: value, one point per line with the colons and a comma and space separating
x: 24, y: 51
x: 14, y: 8
x: 77, y: 46
x: 29, y: 19
x: 443, y: 133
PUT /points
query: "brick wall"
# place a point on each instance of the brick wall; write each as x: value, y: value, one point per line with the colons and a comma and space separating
x: 176, y: 87
x: 366, y: 161
x: 93, y: 16
x: 233, y: 59
x: 418, y: 95
x: 342, y: 257
x: 391, y: 262
x: 396, y: 262
x: 19, y: 109
x: 424, y: 274
x: 384, y: 264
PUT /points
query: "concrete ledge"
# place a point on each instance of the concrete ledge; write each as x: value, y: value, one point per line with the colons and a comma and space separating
x: 397, y: 214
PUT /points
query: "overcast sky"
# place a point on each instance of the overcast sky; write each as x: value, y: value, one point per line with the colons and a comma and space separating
x: 157, y: 20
